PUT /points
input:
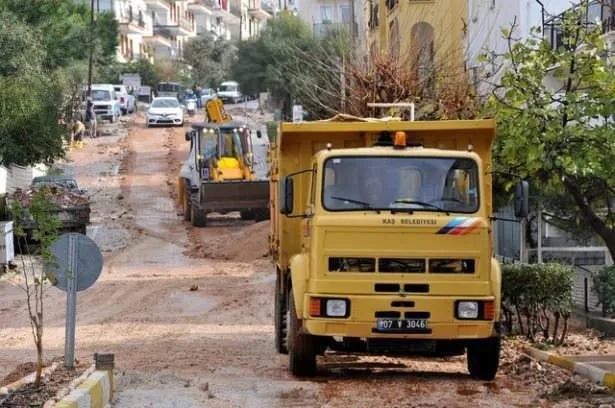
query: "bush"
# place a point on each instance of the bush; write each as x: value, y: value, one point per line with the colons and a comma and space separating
x: 603, y: 286
x: 538, y: 295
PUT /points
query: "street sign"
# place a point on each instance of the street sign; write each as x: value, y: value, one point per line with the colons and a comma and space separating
x: 78, y: 263
x: 86, y: 263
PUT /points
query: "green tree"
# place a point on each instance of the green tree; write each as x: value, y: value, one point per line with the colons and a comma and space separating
x: 561, y: 136
x: 29, y: 129
x: 209, y: 58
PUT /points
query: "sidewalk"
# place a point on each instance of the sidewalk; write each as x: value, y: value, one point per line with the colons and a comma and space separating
x: 598, y: 368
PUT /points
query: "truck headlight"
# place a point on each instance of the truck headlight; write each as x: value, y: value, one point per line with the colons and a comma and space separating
x: 467, y: 310
x: 336, y: 308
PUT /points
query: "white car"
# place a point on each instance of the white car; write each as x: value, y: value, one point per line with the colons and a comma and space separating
x: 165, y: 111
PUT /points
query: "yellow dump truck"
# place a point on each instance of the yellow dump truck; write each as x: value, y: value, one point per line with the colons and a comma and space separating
x: 380, y: 231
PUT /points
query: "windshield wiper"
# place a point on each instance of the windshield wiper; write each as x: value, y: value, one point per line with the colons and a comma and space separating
x: 365, y: 205
x: 423, y: 203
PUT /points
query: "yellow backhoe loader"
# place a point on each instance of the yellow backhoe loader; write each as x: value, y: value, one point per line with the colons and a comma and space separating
x: 218, y: 175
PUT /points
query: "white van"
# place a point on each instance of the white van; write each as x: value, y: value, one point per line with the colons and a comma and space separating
x: 229, y: 92
x: 106, y: 101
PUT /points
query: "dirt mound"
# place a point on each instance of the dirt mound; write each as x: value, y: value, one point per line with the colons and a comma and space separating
x: 61, y: 196
x: 248, y: 244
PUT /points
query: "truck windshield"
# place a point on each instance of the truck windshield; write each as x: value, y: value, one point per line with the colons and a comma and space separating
x: 100, y: 95
x: 401, y: 184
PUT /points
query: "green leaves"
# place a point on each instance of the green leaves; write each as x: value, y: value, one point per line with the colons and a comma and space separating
x: 552, y: 112
x: 43, y: 46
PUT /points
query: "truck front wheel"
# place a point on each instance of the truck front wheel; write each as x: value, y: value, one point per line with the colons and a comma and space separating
x: 484, y: 358
x: 281, y: 316
x: 301, y: 346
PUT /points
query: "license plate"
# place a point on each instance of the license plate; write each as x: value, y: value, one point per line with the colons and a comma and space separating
x: 406, y: 325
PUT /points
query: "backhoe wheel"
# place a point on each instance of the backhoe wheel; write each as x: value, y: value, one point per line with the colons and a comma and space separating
x: 187, y: 204
x: 484, y: 358
x: 261, y: 214
x: 301, y: 346
x: 281, y: 316
x: 199, y: 217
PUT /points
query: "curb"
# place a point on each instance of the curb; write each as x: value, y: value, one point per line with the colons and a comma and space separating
x: 598, y: 375
x: 96, y: 391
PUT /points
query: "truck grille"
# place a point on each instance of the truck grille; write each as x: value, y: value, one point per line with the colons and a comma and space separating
x: 402, y: 265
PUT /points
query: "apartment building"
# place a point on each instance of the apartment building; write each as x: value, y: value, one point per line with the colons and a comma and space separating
x: 160, y: 28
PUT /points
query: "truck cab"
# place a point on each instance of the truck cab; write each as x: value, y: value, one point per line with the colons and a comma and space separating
x: 382, y: 241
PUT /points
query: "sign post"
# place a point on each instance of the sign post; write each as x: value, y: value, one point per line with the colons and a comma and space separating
x: 78, y: 265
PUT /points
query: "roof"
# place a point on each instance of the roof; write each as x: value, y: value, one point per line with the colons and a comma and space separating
x: 227, y: 125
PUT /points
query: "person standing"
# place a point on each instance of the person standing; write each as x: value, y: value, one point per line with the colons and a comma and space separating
x: 90, y: 118
x: 197, y: 93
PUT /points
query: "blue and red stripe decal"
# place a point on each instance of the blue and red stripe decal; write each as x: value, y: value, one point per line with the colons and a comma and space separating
x: 460, y: 226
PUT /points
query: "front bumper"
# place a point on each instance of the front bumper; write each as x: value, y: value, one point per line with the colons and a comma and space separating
x: 164, y: 120
x: 361, y: 322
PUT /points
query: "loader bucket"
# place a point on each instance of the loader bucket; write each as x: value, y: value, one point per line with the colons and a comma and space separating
x: 226, y: 196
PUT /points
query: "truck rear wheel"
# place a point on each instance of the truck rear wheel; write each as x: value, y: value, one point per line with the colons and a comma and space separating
x: 301, y: 346
x: 484, y: 358
x: 198, y: 216
x: 261, y: 214
x: 281, y: 316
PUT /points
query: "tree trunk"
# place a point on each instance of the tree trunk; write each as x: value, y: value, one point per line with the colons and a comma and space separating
x: 39, y: 362
x: 556, y: 326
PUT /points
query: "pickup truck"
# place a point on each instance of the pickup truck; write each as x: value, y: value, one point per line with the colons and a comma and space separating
x: 73, y: 206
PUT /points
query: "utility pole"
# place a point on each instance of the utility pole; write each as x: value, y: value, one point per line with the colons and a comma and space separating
x: 91, y: 59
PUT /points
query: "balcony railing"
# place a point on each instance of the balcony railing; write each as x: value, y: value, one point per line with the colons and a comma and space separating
x: 327, y: 27
x: 595, y: 11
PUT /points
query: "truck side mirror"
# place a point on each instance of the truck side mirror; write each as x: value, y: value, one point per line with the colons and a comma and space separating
x: 286, y: 196
x: 189, y: 135
x: 259, y: 134
x: 522, y: 193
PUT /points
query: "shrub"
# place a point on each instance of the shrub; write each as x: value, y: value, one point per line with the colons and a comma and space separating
x: 603, y: 286
x: 540, y: 297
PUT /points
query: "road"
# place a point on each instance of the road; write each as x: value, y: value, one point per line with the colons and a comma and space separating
x: 213, y: 347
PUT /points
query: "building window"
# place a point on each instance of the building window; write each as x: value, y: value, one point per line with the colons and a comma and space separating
x: 394, y: 39
x: 345, y: 13
x: 423, y: 56
x: 326, y: 14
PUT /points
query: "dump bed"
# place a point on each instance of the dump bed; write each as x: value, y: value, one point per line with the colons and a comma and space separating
x: 298, y: 142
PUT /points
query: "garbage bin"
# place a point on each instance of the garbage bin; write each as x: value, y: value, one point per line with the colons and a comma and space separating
x: 7, y: 251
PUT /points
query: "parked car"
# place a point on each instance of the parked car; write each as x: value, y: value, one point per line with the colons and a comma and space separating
x: 165, y: 111
x: 127, y: 101
x: 207, y: 94
x: 229, y: 92
x: 106, y: 101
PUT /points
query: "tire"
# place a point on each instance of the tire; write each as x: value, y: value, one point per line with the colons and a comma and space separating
x: 301, y: 346
x: 187, y: 204
x: 261, y: 214
x: 246, y: 214
x: 199, y: 217
x: 281, y: 316
x: 484, y: 358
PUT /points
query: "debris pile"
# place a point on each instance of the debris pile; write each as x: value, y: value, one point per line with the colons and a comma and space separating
x: 59, y: 195
x: 246, y: 245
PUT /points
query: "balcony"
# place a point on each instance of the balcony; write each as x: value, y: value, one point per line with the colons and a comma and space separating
x: 200, y: 8
x: 181, y: 27
x: 594, y: 12
x: 255, y: 10
x: 133, y: 23
x: 325, y: 28
x: 157, y: 40
x: 158, y: 5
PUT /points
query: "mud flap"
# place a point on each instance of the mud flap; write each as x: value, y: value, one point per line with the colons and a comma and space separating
x: 228, y: 196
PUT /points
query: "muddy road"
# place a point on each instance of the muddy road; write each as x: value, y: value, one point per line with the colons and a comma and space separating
x: 188, y: 312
